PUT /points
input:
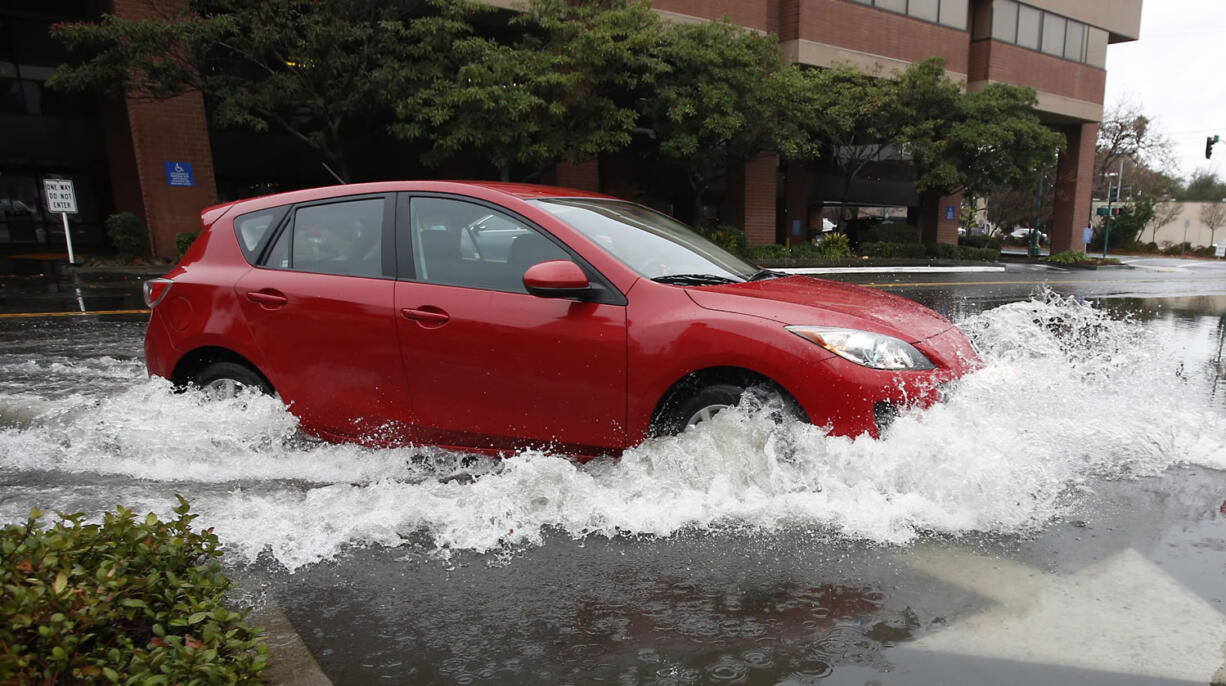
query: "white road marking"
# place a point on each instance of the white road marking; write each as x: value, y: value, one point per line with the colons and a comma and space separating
x: 887, y: 270
x: 1123, y: 615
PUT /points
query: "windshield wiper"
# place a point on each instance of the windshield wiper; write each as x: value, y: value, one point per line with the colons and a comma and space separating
x: 767, y: 274
x: 693, y: 279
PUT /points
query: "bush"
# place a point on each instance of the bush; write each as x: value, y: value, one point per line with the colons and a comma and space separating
x: 127, y: 601
x: 891, y: 232
x: 912, y: 250
x: 980, y: 241
x: 1177, y: 249
x: 834, y: 246
x: 1066, y: 257
x: 1203, y: 251
x: 727, y: 237
x: 184, y: 240
x: 768, y: 252
x: 128, y: 235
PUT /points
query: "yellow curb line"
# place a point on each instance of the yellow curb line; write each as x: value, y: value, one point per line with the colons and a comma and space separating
x: 36, y: 315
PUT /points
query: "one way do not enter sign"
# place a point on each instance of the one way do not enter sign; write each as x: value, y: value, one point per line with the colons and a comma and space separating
x: 60, y: 196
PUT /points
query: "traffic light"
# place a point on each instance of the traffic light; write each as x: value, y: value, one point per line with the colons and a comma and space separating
x: 1209, y: 141
x: 1113, y: 193
x: 1115, y: 211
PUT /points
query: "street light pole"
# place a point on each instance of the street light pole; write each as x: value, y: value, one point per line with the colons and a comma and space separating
x: 1119, y: 188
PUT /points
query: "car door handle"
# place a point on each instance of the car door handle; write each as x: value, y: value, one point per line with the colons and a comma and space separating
x: 432, y: 316
x: 267, y: 299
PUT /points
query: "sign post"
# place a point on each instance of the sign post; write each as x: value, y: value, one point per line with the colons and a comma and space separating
x: 62, y: 198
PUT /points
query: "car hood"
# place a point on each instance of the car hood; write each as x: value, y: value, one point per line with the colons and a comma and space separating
x: 803, y: 300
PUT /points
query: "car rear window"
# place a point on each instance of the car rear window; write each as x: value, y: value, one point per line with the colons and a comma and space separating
x: 254, y: 228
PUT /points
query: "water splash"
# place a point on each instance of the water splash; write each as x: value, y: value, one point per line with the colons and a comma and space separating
x: 1068, y: 396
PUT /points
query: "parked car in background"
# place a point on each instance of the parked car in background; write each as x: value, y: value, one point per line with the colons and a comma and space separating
x: 493, y: 317
x: 1023, y: 233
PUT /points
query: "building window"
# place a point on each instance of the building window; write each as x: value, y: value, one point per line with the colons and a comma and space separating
x: 951, y: 13
x: 1029, y: 27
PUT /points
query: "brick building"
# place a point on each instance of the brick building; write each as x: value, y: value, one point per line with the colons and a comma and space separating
x: 157, y: 159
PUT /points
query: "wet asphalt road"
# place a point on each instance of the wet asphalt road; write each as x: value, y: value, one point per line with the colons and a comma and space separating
x: 1127, y: 585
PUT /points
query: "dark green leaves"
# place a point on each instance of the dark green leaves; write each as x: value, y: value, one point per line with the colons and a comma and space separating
x: 128, y: 601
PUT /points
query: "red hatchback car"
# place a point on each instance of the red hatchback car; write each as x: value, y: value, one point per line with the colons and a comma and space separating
x: 492, y: 317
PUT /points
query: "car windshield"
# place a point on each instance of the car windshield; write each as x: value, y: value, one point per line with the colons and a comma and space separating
x: 652, y: 244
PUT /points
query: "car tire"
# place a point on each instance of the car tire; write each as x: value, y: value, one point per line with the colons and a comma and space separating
x: 696, y: 407
x: 220, y: 380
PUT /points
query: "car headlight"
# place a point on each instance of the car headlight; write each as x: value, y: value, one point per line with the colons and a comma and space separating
x: 865, y: 348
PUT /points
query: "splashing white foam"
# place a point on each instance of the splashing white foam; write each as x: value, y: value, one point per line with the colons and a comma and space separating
x: 1068, y: 396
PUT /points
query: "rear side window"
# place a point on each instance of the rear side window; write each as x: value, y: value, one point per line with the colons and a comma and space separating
x: 343, y: 238
x: 254, y: 228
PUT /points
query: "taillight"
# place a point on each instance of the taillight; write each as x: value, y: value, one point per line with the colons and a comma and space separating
x: 155, y: 290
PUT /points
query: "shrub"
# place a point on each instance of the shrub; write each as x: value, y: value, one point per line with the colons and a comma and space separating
x: 184, y: 240
x: 1177, y: 249
x: 128, y: 235
x: 1066, y: 257
x: 891, y: 232
x: 127, y: 601
x: 980, y: 241
x: 1203, y: 251
x: 834, y: 246
x: 912, y: 250
x: 725, y: 236
x: 768, y: 252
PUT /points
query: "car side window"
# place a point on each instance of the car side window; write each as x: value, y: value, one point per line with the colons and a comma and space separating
x: 343, y: 238
x: 253, y: 228
x: 457, y: 243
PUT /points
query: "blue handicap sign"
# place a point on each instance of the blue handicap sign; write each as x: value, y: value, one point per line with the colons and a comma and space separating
x: 179, y: 174
x: 950, y: 212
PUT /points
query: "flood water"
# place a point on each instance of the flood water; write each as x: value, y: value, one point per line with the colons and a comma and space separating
x: 741, y: 552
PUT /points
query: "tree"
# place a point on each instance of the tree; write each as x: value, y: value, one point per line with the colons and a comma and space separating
x: 1126, y: 134
x: 566, y: 83
x: 1204, y: 186
x: 1126, y: 226
x: 974, y: 143
x: 860, y: 119
x: 725, y: 97
x: 1213, y: 215
x: 304, y: 68
x: 1165, y: 212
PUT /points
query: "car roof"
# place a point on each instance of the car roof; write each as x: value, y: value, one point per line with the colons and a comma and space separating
x: 522, y: 191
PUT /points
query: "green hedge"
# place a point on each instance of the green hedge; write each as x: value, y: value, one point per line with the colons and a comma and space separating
x: 128, y: 601
x: 833, y: 246
x: 921, y: 251
x: 890, y: 232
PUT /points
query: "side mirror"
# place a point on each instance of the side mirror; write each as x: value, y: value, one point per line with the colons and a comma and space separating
x: 556, y: 279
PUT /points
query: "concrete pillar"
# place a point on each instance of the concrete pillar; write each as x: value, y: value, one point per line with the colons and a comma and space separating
x: 163, y: 133
x: 1074, y: 181
x: 937, y: 223
x: 751, y: 199
x: 796, y: 202
x: 584, y: 176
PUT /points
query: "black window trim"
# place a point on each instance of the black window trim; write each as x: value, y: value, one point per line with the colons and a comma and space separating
x: 388, y: 246
x: 603, y: 290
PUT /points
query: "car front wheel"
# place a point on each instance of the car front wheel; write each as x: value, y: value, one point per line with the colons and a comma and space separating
x: 696, y: 408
